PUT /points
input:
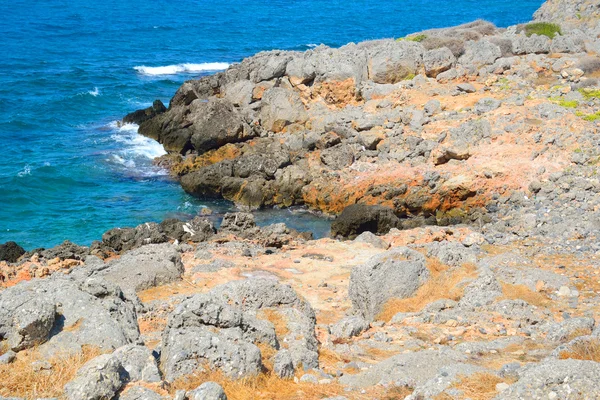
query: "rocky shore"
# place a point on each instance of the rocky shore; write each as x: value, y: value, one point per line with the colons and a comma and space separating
x: 461, y: 167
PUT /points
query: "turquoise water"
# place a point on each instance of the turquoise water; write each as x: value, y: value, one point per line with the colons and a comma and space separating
x: 70, y: 69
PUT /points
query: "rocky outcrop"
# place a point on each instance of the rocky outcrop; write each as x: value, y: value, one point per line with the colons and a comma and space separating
x: 10, y: 251
x: 397, y: 273
x: 359, y: 218
x: 220, y: 329
x: 98, y: 379
x: 63, y: 314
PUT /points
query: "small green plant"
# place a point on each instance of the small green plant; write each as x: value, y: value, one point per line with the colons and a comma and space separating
x: 577, y: 150
x: 589, y: 94
x: 589, y: 117
x: 415, y: 38
x: 564, y: 103
x: 542, y: 28
x: 578, y: 15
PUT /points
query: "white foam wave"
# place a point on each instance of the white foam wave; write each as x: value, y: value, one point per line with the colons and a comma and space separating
x: 26, y: 171
x: 181, y: 68
x: 94, y: 92
x: 312, y: 45
x: 136, y: 151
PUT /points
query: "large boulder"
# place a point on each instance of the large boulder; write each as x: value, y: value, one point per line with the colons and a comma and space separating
x: 138, y: 362
x: 207, y: 391
x: 145, y: 267
x: 195, y: 230
x: 10, y: 251
x: 392, y: 61
x: 99, y: 379
x: 139, y: 116
x: 359, y: 218
x: 220, y: 329
x: 437, y: 61
x: 123, y: 239
x: 280, y: 108
x: 79, y: 311
x: 216, y: 123
x: 480, y: 53
x: 397, y: 273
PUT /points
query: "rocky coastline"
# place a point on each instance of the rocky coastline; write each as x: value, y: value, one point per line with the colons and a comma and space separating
x: 461, y: 166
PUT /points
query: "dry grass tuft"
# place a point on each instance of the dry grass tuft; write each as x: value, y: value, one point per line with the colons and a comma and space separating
x: 583, y: 350
x: 329, y: 358
x: 397, y: 393
x: 21, y: 380
x: 264, y: 386
x: 522, y: 292
x: 478, y: 386
x: 443, y: 284
x: 275, y: 317
x: 3, y: 347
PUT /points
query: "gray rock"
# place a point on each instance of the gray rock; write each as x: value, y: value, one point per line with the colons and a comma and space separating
x: 283, y: 364
x: 565, y: 330
x: 479, y: 53
x: 208, y: 391
x: 373, y: 240
x: 466, y: 87
x: 8, y: 357
x: 432, y: 107
x: 452, y: 253
x: 280, y: 108
x: 358, y: 218
x: 486, y: 104
x: 139, y: 393
x: 237, y: 222
x: 393, y: 61
x: 11, y: 252
x: 397, y: 273
x: 145, y: 267
x: 409, y: 369
x: 559, y: 379
x: 139, y: 362
x: 482, y: 292
x: 96, y: 312
x: 31, y: 324
x: 349, y: 327
x: 437, y: 61
x: 98, y: 379
x: 337, y: 157
x: 533, y: 44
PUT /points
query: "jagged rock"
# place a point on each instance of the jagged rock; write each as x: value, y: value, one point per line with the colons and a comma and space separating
x: 534, y: 44
x: 479, y: 53
x: 566, y: 330
x: 283, y: 364
x: 443, y: 155
x: 486, y: 105
x: 280, y: 108
x: 139, y: 116
x: 372, y: 239
x: 237, y: 222
x: 559, y: 379
x: 98, y: 379
x: 359, y: 218
x: 196, y: 230
x: 139, y: 362
x: 397, y: 273
x: 437, y: 61
x: 349, y: 327
x: 451, y: 253
x: 145, y: 267
x: 409, y: 369
x: 10, y: 251
x: 97, y: 313
x: 393, y: 61
x: 31, y: 324
x: 139, y: 393
x: 337, y: 157
x: 481, y: 292
x: 207, y: 391
x: 123, y: 239
x: 66, y: 250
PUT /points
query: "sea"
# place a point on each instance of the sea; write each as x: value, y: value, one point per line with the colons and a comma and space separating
x: 70, y: 69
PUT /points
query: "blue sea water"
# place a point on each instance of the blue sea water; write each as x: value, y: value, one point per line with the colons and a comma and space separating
x: 70, y: 68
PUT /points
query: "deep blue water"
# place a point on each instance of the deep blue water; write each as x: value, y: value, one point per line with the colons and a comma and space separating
x: 68, y: 71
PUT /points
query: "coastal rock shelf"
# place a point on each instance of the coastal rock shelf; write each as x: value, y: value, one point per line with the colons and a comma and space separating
x: 436, y: 126
x: 497, y: 127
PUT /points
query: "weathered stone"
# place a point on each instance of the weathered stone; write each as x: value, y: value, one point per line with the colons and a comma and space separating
x: 397, y: 273
x: 359, y: 218
x: 208, y: 391
x: 98, y: 379
x: 280, y: 108
x: 10, y: 251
